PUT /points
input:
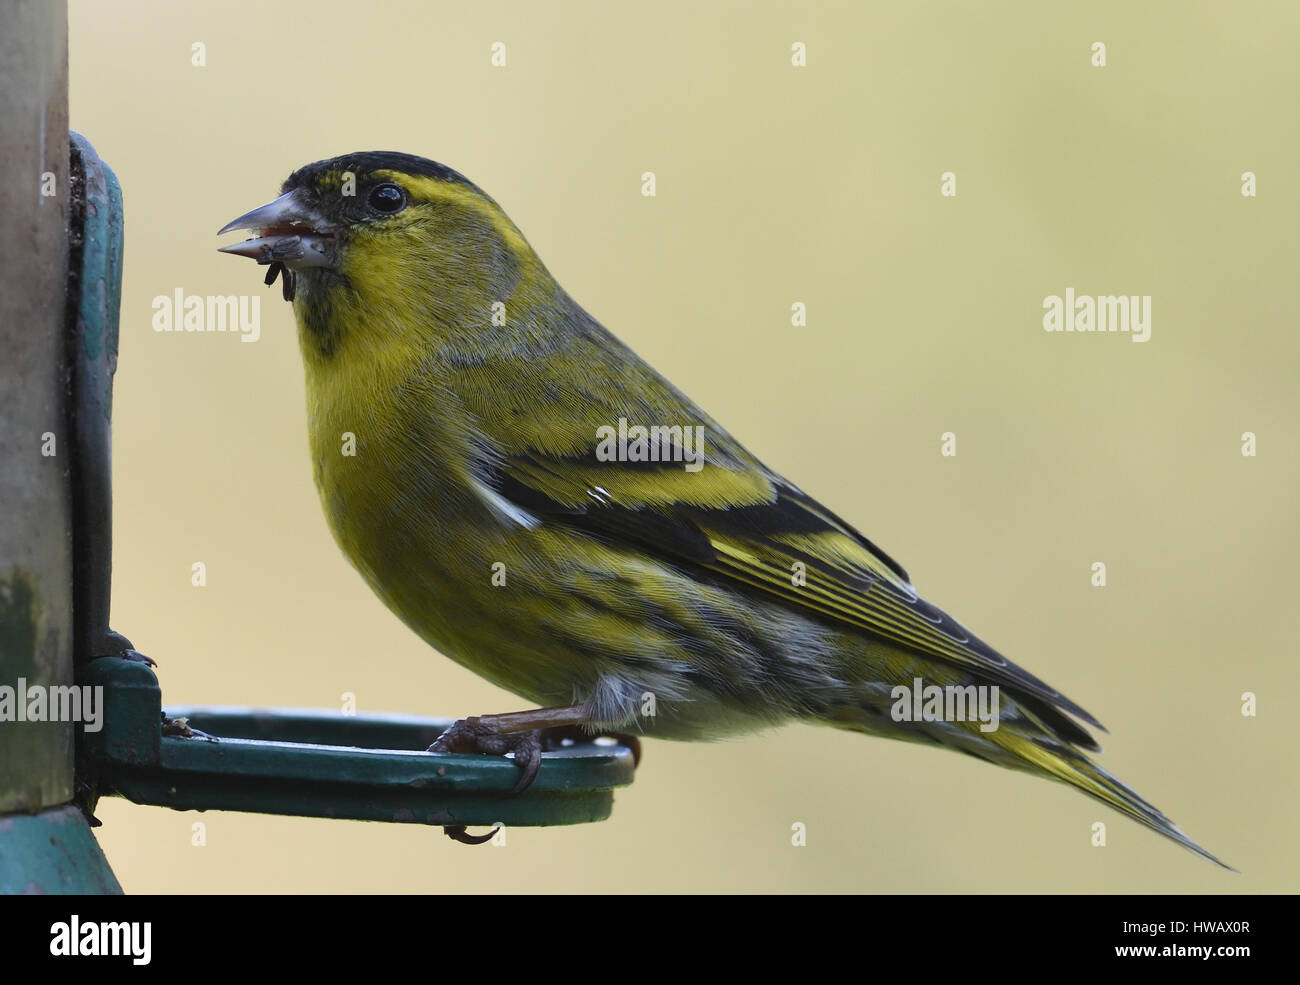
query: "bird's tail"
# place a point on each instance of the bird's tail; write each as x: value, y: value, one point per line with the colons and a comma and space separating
x: 1031, y: 736
x: 1051, y: 757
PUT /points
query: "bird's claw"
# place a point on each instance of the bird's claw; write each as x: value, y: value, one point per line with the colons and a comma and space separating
x: 473, y: 735
x: 457, y: 832
x: 182, y: 728
x: 114, y: 644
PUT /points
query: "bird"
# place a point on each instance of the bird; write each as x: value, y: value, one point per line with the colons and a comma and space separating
x: 541, y: 506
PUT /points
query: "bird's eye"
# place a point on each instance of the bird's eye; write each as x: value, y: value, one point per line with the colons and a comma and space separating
x: 387, y: 199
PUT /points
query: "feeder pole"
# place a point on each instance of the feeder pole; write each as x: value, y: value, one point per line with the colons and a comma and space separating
x: 45, y: 841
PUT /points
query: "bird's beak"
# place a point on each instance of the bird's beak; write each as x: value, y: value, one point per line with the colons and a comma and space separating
x: 290, y: 231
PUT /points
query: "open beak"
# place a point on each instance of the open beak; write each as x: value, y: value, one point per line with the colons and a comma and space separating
x: 289, y: 231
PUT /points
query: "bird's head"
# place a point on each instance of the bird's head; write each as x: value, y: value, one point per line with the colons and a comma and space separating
x: 378, y: 230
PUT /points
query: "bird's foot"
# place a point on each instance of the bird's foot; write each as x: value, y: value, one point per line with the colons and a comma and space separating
x: 477, y: 735
x: 116, y: 645
x: 498, y: 735
x: 182, y: 728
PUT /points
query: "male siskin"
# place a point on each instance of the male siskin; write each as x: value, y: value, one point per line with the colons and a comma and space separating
x: 483, y: 508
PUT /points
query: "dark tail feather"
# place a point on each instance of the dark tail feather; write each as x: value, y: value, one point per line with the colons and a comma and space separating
x: 1065, y: 764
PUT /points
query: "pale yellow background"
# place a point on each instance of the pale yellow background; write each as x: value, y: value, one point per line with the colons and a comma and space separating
x: 775, y: 185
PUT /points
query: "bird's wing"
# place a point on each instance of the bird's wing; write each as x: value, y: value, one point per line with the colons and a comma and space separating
x: 742, y: 523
